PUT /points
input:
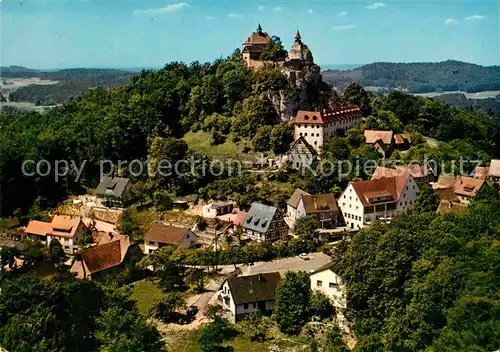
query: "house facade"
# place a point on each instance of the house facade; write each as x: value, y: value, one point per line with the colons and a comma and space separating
x: 112, y: 191
x: 461, y: 189
x: 161, y: 235
x: 293, y: 203
x: 364, y: 202
x: 300, y: 154
x: 65, y: 229
x: 265, y: 223
x: 247, y: 294
x: 213, y: 210
x: 317, y: 127
x: 328, y: 282
x: 322, y: 207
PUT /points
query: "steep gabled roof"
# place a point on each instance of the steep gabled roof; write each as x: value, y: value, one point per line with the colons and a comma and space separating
x: 382, y: 190
x: 254, y: 288
x: 295, y: 198
x: 372, y: 136
x: 302, y: 140
x: 461, y: 185
x: 259, y: 217
x: 102, y: 257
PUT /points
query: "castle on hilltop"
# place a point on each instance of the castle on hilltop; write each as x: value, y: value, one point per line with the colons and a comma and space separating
x: 298, y: 58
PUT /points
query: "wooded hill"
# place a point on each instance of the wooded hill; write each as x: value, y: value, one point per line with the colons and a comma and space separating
x: 421, y: 77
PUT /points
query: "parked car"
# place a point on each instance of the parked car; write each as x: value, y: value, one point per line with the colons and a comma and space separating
x: 304, y: 256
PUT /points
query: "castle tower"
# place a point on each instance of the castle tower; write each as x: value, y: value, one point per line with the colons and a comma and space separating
x: 254, y: 46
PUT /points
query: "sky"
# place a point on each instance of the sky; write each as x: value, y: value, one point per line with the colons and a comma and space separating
x: 50, y: 34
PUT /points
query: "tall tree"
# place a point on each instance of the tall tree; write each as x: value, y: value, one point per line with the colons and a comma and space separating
x: 292, y: 302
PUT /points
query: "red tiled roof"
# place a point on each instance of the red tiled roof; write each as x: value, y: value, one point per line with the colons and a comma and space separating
x: 417, y: 171
x: 102, y: 257
x: 461, y: 185
x: 481, y: 173
x: 62, y: 226
x: 372, y: 136
x: 236, y: 219
x: 328, y: 115
x: 166, y: 234
x: 386, y: 187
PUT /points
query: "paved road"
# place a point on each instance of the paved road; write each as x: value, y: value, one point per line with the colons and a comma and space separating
x: 316, y: 261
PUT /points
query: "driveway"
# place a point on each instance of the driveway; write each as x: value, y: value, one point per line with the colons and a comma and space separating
x: 316, y: 261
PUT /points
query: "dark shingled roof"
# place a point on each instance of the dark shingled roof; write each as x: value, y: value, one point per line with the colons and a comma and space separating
x: 259, y: 217
x: 113, y: 186
x: 254, y: 288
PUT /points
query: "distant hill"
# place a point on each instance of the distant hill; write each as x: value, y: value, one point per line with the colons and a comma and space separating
x: 72, y: 83
x: 448, y: 75
x: 489, y: 106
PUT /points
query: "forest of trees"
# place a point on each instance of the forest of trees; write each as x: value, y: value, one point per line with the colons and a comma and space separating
x: 448, y: 75
x: 427, y: 282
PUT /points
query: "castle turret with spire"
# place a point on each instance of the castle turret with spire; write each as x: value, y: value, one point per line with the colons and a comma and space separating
x: 254, y: 46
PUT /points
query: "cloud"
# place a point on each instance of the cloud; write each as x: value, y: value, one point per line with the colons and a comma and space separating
x: 210, y: 18
x: 475, y: 18
x: 234, y: 15
x: 344, y: 27
x: 342, y: 14
x: 167, y: 9
x: 278, y: 8
x: 375, y: 5
x: 450, y: 21
x: 310, y: 11
x: 261, y: 7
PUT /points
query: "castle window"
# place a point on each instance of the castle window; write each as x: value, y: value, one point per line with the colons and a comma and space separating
x: 306, y: 117
x: 315, y: 117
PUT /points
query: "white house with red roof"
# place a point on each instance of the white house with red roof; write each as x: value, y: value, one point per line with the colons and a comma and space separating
x: 364, y: 202
x: 316, y: 127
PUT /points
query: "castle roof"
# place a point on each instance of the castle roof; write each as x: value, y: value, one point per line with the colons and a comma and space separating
x: 327, y: 116
x: 257, y: 38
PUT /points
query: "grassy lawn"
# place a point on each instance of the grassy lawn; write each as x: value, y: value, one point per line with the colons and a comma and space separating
x: 201, y: 141
x: 188, y: 342
x: 432, y: 142
x: 146, y: 294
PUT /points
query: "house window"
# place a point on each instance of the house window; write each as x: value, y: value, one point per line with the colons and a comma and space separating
x: 300, y: 134
x: 187, y: 236
x: 317, y: 134
x: 319, y: 283
x: 305, y: 134
x: 401, y: 203
x: 332, y: 285
x: 413, y: 186
x: 245, y: 306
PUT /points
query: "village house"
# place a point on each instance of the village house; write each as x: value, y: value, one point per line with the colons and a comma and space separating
x: 246, y: 294
x: 113, y: 253
x: 112, y: 191
x: 317, y: 127
x: 65, y: 229
x: 265, y: 223
x: 211, y: 211
x: 423, y: 174
x: 364, y: 202
x: 300, y: 154
x: 381, y: 141
x: 325, y: 280
x: 489, y: 173
x: 161, y: 235
x: 402, y: 141
x: 293, y: 203
x: 236, y: 218
x: 322, y: 207
x: 458, y: 189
